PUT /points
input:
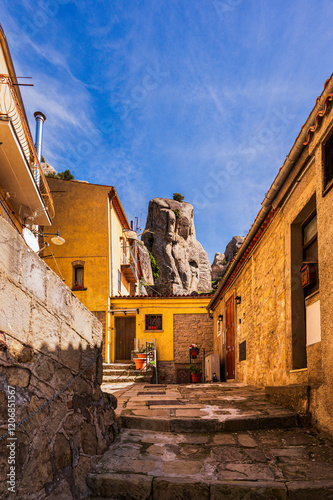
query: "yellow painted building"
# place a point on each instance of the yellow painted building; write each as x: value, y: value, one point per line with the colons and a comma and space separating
x: 25, y: 199
x: 98, y: 260
x: 175, y: 322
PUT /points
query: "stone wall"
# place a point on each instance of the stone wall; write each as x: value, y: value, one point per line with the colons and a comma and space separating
x: 188, y: 329
x: 48, y: 338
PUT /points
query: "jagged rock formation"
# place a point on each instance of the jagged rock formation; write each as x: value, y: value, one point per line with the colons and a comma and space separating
x: 219, y: 266
x: 47, y: 168
x: 184, y: 265
x: 147, y: 272
x: 222, y: 260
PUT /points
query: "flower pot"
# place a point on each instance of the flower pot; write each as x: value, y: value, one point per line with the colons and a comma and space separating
x: 141, y: 355
x: 196, y: 377
x: 194, y: 353
x: 139, y: 363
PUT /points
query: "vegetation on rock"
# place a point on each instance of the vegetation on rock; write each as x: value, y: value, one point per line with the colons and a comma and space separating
x: 154, y: 266
x: 178, y: 197
x: 66, y: 175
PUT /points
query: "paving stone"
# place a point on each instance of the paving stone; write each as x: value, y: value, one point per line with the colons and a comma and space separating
x: 152, y: 413
x: 116, y: 486
x: 193, y: 439
x: 179, y: 489
x: 189, y: 413
x: 310, y: 490
x: 227, y: 454
x: 224, y: 439
x: 246, y: 440
x: 243, y: 490
x: 298, y: 452
x: 256, y: 455
x: 252, y: 472
x: 183, y: 467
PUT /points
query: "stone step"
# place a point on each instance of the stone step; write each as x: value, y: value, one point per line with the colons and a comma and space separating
x: 268, y: 464
x: 187, y: 425
x: 116, y: 365
x: 129, y: 378
x: 115, y: 371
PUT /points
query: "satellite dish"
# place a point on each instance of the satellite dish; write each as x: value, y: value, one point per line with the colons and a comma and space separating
x: 30, y: 239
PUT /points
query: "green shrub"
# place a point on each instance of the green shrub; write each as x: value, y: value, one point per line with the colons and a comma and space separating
x: 178, y: 197
x: 154, y: 266
x: 176, y: 212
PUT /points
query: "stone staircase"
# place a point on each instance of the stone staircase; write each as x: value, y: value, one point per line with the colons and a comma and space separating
x: 210, y: 442
x: 118, y: 373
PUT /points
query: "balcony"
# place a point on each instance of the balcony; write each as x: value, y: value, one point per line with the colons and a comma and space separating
x: 21, y: 174
x: 129, y: 265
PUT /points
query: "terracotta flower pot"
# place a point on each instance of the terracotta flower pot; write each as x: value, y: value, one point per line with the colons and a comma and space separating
x: 196, y: 377
x: 139, y: 363
x: 141, y: 355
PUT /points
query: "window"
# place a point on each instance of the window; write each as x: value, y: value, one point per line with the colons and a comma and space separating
x: 327, y: 163
x: 153, y: 322
x: 78, y: 275
x: 310, y: 281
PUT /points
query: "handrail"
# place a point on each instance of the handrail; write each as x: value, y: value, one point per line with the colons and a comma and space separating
x: 14, y: 112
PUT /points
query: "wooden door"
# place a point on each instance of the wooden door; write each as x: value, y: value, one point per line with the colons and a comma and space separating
x: 230, y: 339
x: 125, y: 335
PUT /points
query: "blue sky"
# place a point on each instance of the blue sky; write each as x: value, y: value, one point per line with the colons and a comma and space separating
x: 201, y: 97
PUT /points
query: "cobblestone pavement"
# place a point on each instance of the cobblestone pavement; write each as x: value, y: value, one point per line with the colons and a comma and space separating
x: 196, y: 407
x: 274, y: 459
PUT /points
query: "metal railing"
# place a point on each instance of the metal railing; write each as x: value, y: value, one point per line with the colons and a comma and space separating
x: 129, y: 257
x: 151, y: 355
x: 10, y: 108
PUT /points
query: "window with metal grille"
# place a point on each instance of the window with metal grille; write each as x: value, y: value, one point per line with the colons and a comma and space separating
x: 78, y: 275
x: 153, y: 322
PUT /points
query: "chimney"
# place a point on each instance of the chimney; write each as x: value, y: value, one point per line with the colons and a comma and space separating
x: 40, y: 119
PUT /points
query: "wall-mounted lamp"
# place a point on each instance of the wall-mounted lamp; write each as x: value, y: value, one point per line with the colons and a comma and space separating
x: 220, y: 318
x: 238, y: 299
x: 57, y: 240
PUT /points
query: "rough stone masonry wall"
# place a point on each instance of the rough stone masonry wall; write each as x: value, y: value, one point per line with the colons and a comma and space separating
x: 50, y: 338
x: 188, y: 329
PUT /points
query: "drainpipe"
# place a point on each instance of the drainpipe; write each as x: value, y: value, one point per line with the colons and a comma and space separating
x: 40, y: 119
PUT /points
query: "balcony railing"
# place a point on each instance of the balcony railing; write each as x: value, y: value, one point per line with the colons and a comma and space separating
x: 10, y: 108
x: 129, y: 264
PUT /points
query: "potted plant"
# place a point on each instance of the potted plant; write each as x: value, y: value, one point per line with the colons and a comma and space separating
x: 194, y: 351
x: 196, y: 373
x: 139, y: 363
x: 142, y: 352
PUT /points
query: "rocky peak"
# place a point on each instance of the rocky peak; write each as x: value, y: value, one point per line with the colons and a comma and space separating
x: 184, y: 265
x: 223, y: 260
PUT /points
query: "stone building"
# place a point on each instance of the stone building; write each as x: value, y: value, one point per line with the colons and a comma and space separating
x: 54, y: 419
x: 273, y: 308
x: 175, y: 322
x: 100, y: 258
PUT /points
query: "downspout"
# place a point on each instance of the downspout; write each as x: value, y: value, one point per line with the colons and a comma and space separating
x: 283, y: 173
x: 112, y: 194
